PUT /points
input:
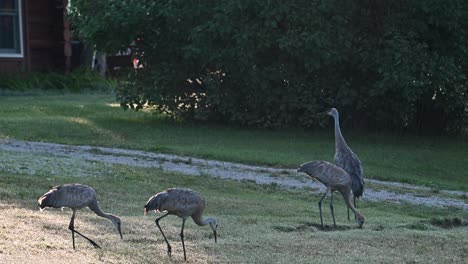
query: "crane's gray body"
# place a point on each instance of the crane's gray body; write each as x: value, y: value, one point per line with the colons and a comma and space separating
x: 335, y: 179
x: 346, y: 159
x: 183, y: 203
x: 180, y: 202
x: 76, y: 196
x: 72, y: 195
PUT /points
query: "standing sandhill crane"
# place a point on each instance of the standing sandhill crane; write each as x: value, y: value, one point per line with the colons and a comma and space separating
x: 335, y: 179
x: 346, y: 159
x: 183, y: 203
x: 76, y: 196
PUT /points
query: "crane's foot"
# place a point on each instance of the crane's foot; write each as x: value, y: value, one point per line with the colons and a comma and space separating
x: 169, y: 250
x: 94, y: 244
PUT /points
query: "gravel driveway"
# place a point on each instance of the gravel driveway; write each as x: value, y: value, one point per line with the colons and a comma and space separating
x: 29, y: 157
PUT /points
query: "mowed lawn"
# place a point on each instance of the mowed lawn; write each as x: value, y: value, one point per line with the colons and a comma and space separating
x: 257, y: 224
x: 96, y: 119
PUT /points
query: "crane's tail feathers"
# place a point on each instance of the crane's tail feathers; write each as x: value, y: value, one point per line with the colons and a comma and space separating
x: 358, y: 188
x: 357, y: 194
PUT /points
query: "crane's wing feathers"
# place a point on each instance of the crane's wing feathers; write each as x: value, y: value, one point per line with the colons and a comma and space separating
x: 183, y: 202
x: 155, y: 202
x: 352, y: 165
x: 312, y: 168
x: 67, y: 195
x: 330, y: 175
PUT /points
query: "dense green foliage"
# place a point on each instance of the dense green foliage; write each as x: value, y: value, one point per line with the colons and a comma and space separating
x: 77, y: 81
x: 385, y: 64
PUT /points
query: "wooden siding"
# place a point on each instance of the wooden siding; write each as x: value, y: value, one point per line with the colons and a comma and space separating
x: 45, y: 35
x: 11, y: 65
x: 43, y: 38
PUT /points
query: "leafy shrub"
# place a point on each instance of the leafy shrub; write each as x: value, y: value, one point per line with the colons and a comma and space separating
x: 383, y: 64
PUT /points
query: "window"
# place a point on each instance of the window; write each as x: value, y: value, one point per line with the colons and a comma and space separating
x: 10, y: 29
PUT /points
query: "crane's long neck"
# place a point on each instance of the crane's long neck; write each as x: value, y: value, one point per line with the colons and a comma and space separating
x: 96, y: 209
x: 347, y: 198
x: 114, y: 219
x: 202, y: 222
x: 339, y: 140
x: 197, y: 218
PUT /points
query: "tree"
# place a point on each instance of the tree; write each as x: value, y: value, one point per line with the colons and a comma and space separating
x: 387, y: 64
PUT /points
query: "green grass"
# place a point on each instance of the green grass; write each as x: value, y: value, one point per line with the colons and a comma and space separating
x: 258, y: 224
x: 94, y: 119
x: 78, y: 80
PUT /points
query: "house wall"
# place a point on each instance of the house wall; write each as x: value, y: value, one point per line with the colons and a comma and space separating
x: 11, y: 65
x: 43, y: 38
x: 45, y: 28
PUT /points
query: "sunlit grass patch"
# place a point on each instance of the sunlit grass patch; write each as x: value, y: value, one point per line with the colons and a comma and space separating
x: 257, y: 224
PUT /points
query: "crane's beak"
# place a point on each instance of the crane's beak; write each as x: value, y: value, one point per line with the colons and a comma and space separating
x: 215, y: 236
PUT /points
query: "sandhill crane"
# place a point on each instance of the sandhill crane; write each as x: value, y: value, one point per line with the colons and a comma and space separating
x: 335, y: 179
x: 76, y: 196
x: 183, y: 203
x: 346, y: 159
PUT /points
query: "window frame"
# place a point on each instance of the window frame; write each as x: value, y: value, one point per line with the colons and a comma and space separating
x: 21, y: 41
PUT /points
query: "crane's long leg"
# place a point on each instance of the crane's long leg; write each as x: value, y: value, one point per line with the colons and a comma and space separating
x: 182, y: 237
x: 320, y: 206
x: 354, y: 201
x: 331, y: 208
x: 71, y: 226
x: 160, y: 229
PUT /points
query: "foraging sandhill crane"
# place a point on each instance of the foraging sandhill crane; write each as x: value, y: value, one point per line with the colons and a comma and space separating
x: 346, y: 159
x: 183, y: 203
x: 335, y: 179
x: 76, y: 196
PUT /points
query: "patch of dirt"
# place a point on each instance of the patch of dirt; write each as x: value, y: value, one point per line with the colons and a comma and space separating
x: 67, y: 156
x: 421, y: 226
x: 328, y: 228
x: 448, y: 222
x: 313, y: 227
x: 378, y: 228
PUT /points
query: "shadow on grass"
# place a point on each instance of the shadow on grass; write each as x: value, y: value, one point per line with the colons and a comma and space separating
x: 314, y: 227
x: 446, y: 223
